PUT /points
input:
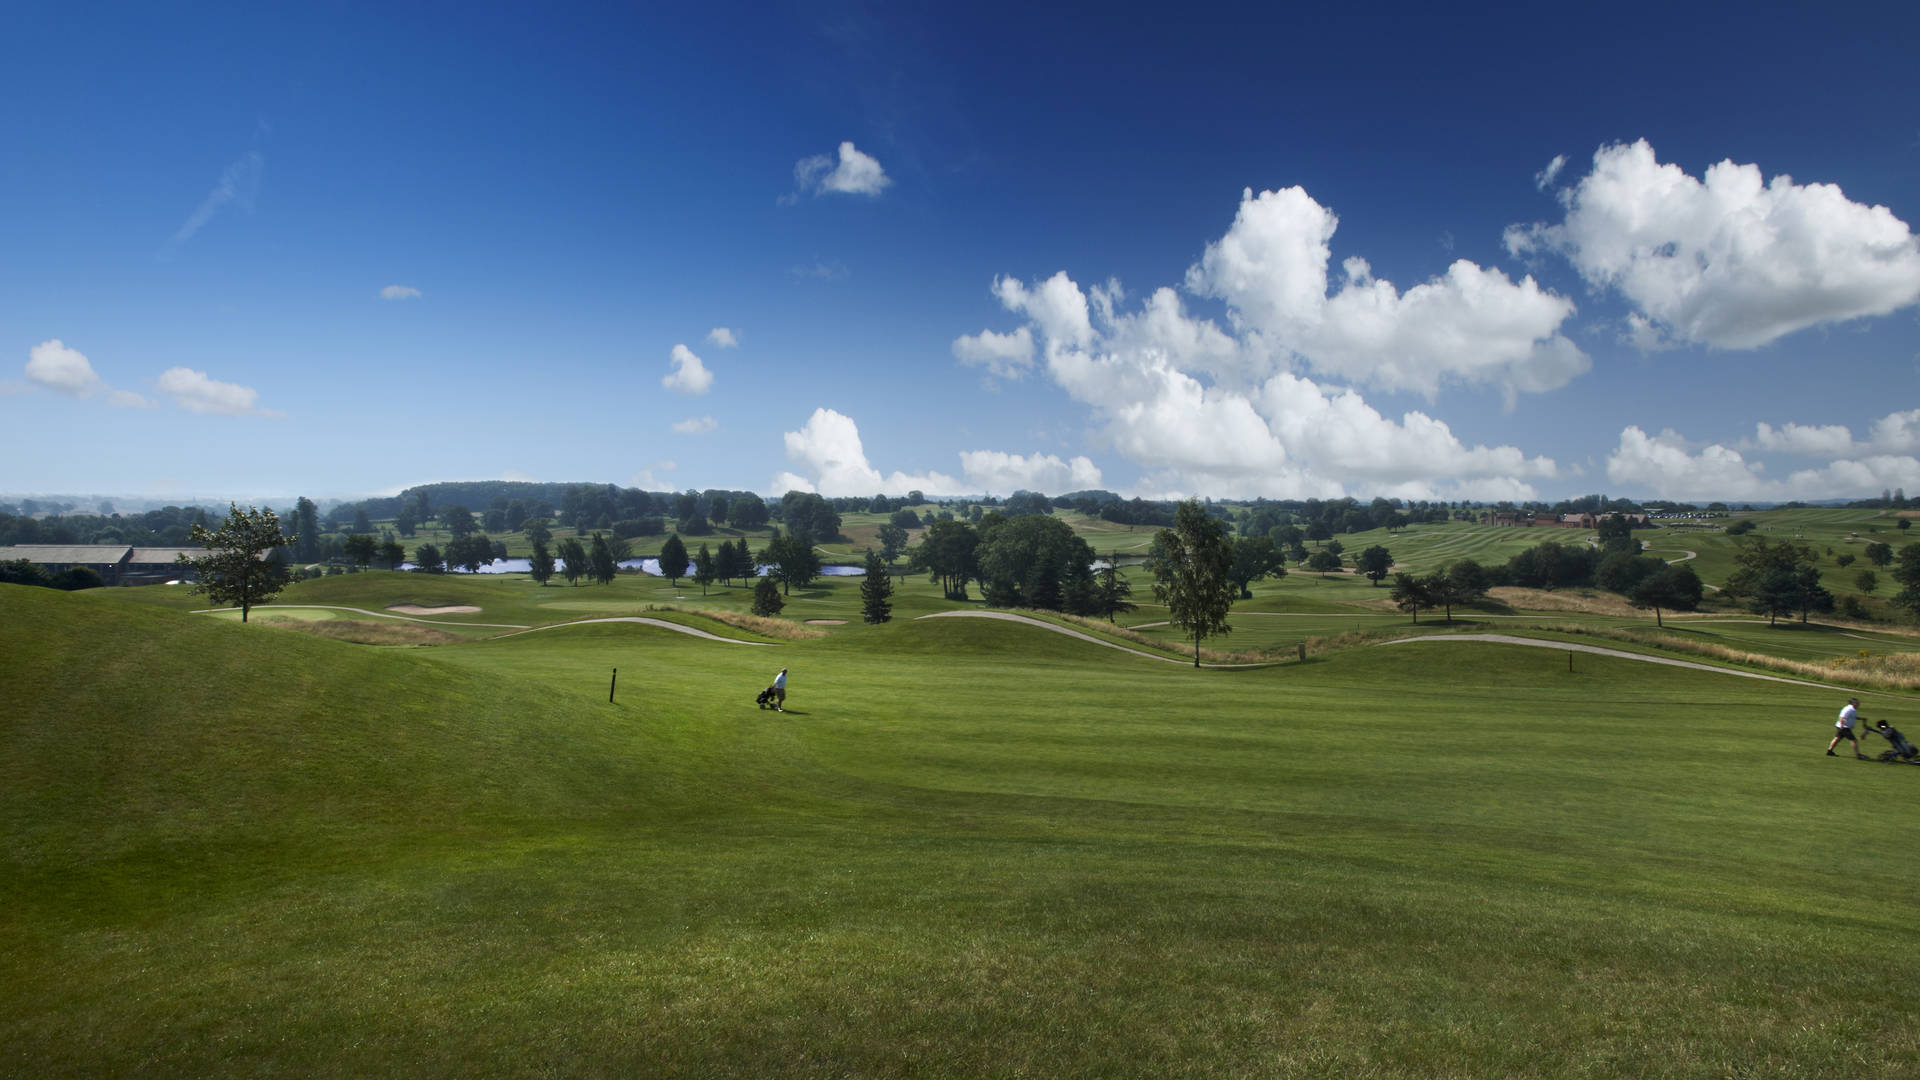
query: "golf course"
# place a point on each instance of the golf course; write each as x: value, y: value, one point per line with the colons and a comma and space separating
x: 401, y: 824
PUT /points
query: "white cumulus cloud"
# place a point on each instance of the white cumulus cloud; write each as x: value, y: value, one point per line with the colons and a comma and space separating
x: 853, y: 173
x: 698, y: 425
x: 1471, y: 324
x: 833, y: 462
x: 721, y: 337
x: 399, y: 292
x: 1667, y: 466
x: 1006, y: 356
x: 995, y: 472
x: 1728, y: 260
x: 64, y: 370
x: 1894, y: 433
x: 689, y: 376
x: 1200, y: 410
x: 195, y: 392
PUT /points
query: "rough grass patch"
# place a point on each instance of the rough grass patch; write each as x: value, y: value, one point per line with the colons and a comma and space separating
x: 774, y: 628
x: 370, y: 632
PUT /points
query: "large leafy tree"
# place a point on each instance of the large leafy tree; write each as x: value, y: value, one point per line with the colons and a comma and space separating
x: 360, y: 547
x: 602, y: 559
x: 541, y: 565
x: 459, y: 520
x: 1410, y: 594
x: 1671, y: 588
x: 1778, y: 579
x: 893, y: 542
x: 1375, y: 562
x: 573, y: 559
x: 1190, y: 563
x: 1029, y: 561
x: 946, y: 556
x: 236, y: 568
x: 747, y: 511
x: 673, y: 559
x: 1906, y: 572
x: 876, y: 591
x: 427, y: 557
x: 791, y: 560
x: 470, y: 552
x: 1255, y: 557
x: 1470, y: 581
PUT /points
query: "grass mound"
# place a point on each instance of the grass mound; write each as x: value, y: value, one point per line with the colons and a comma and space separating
x: 968, y: 848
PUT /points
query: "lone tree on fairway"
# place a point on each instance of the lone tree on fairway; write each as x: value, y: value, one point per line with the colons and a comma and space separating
x: 766, y: 598
x: 1375, y: 562
x: 1411, y: 594
x: 1255, y: 557
x: 236, y: 569
x: 876, y: 605
x: 1190, y: 563
x: 1675, y: 588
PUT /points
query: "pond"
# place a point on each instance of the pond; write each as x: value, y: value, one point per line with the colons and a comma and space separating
x: 648, y: 566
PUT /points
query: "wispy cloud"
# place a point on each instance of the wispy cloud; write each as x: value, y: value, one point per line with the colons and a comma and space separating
x: 853, y: 173
x: 239, y: 184
x: 722, y: 337
x: 698, y: 425
x: 821, y: 270
x: 1545, y: 177
x: 399, y: 292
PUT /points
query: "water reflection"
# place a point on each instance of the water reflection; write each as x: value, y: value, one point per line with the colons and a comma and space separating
x: 649, y: 566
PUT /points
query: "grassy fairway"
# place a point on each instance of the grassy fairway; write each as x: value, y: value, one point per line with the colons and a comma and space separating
x: 970, y: 848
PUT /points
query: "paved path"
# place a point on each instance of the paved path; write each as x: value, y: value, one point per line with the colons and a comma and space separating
x: 1564, y: 646
x: 644, y: 621
x: 1008, y: 616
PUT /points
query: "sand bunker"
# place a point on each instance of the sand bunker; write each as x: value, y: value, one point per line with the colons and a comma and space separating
x: 415, y: 609
x: 826, y: 622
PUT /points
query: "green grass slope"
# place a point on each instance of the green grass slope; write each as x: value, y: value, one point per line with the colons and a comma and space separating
x: 969, y: 848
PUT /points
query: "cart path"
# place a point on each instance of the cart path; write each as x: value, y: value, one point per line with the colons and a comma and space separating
x: 1007, y: 616
x: 374, y: 614
x: 662, y: 624
x: 1566, y: 646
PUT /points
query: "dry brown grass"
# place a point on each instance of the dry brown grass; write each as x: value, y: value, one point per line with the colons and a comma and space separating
x: 1579, y: 601
x: 783, y: 629
x: 374, y: 632
x: 1874, y: 671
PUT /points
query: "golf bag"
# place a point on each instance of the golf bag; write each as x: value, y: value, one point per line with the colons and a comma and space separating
x: 1902, y: 750
x: 765, y: 698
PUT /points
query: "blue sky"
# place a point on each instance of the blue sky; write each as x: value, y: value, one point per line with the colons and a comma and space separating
x: 336, y: 250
